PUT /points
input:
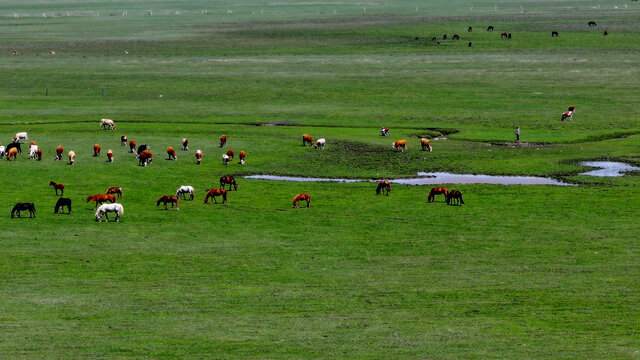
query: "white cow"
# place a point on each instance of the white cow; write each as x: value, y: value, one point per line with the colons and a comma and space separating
x: 184, y: 190
x: 20, y: 136
x: 107, y: 122
x: 107, y: 208
x: 33, y: 149
x: 320, y: 143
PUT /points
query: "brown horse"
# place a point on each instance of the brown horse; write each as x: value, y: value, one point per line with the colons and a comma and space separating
x: 123, y: 140
x: 109, y: 155
x: 228, y: 180
x: 454, y: 197
x: 242, y: 155
x: 96, y: 150
x: 383, y: 186
x: 437, y: 191
x: 223, y: 140
x: 132, y: 146
x: 168, y: 199
x: 59, y: 152
x: 115, y: 190
x: 171, y: 153
x: 57, y: 187
x: 301, y: 197
x: 231, y: 154
x: 307, y: 139
x: 212, y: 193
x: 101, y: 198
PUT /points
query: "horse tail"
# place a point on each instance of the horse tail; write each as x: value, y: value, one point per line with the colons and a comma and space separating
x: 224, y: 195
x: 121, y: 209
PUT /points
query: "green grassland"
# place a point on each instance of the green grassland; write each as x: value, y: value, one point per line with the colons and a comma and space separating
x: 517, y: 272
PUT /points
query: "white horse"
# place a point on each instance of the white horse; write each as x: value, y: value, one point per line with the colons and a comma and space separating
x: 2, y: 152
x: 20, y: 136
x: 33, y: 149
x: 107, y: 122
x: 72, y: 157
x: 225, y: 159
x: 320, y: 143
x: 107, y: 208
x: 184, y: 190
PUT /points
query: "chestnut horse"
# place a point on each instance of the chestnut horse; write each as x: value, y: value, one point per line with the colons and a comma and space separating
x: 301, y: 197
x: 168, y: 199
x: 115, y: 190
x: 109, y: 155
x: 223, y: 140
x: 123, y: 140
x: 132, y: 146
x: 231, y: 154
x: 307, y: 139
x: 96, y: 150
x: 228, y: 180
x: 454, y: 197
x: 24, y: 207
x: 60, y: 204
x: 171, y: 153
x: 242, y: 155
x: 400, y: 145
x: 59, y: 152
x: 101, y: 198
x: 437, y: 191
x: 383, y: 186
x: 57, y: 187
x: 212, y: 193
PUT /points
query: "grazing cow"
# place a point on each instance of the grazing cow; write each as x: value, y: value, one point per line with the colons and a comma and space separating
x: 592, y: 23
x: 567, y: 114
x: 489, y: 28
x: 228, y: 180
x: 605, y: 33
x: 231, y: 154
x: 185, y: 145
x: 72, y: 157
x: 426, y: 144
x: 115, y: 190
x: 12, y: 153
x: 503, y: 35
x: 455, y: 37
x: 454, y: 197
x: 107, y: 208
x: 15, y: 145
x: 59, y: 152
x: 171, y: 153
x: 242, y: 155
x: 96, y: 150
x: 23, y: 207
x: 132, y: 146
x: 107, y: 123
x: 198, y: 156
x: 225, y: 159
x: 20, y: 136
x: 307, y: 139
x: 109, y: 155
x: 212, y: 193
x: 320, y: 143
x: 145, y: 158
x: 437, y: 191
x: 223, y: 140
x: 57, y: 187
x: 101, y: 198
x: 3, y: 152
x: 142, y: 148
x: 60, y: 204
x: 470, y: 43
x: 33, y: 149
x: 167, y: 199
x: 123, y: 140
x: 301, y: 197
x: 384, y: 131
x: 554, y: 34
x: 383, y: 186
x: 400, y: 145
x: 184, y: 190
x: 470, y: 29
x: 39, y: 154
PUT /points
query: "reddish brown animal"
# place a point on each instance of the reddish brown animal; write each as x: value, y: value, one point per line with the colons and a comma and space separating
x: 242, y: 155
x: 96, y: 150
x: 145, y: 158
x: 57, y: 187
x: 168, y: 199
x: 307, y: 139
x: 132, y: 146
x: 426, y: 144
x: 32, y: 143
x: 301, y: 197
x: 223, y: 140
x: 115, y: 190
x: 123, y: 140
x: 109, y: 155
x: 228, y: 180
x: 171, y: 153
x: 12, y: 154
x: 231, y: 154
x: 454, y: 197
x: 101, y: 198
x: 383, y: 186
x: 39, y: 154
x: 198, y: 156
x: 400, y: 145
x: 437, y: 191
x: 59, y: 152
x: 503, y: 35
x: 212, y: 193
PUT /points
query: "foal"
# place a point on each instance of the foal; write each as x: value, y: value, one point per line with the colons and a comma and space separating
x: 57, y: 187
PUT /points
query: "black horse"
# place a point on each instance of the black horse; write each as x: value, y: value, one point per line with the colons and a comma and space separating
x: 14, y: 145
x: 62, y: 202
x: 24, y: 207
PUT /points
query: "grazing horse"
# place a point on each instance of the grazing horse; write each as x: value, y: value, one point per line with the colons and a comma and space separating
x: 242, y: 155
x: 306, y: 138
x: 212, y: 193
x: 554, y: 34
x: 101, y: 198
x: 383, y: 186
x: 454, y: 197
x: 444, y: 37
x: 384, y: 131
x: 104, y: 123
x: 57, y: 187
x: 320, y: 143
x: 171, y: 153
x: 605, y: 33
x: 184, y: 190
x: 24, y: 207
x: 15, y: 145
x: 167, y: 199
x: 12, y: 153
x: 59, y: 152
x: 96, y: 150
x: 115, y: 190
x: 145, y: 158
x: 72, y: 157
x: 301, y: 197
x: 132, y: 146
x: 455, y: 37
x: 60, y: 204
x: 592, y: 23
x: 228, y: 180
x: 503, y: 35
x: 223, y: 140
x: 198, y: 156
x: 426, y: 144
x: 20, y: 136
x: 33, y: 149
x: 489, y: 28
x: 109, y: 155
x: 437, y: 191
x: 123, y: 140
x: 225, y: 159
x: 185, y: 145
x: 39, y: 154
x: 400, y: 145
x: 2, y: 152
x: 470, y: 29
x: 231, y: 154
x: 107, y: 208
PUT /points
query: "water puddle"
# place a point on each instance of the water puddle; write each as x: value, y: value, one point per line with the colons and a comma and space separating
x: 607, y: 168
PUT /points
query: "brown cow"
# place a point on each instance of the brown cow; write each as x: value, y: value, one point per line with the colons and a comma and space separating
x: 223, y: 140
x: 171, y: 153
x: 400, y: 145
x: 307, y: 139
x: 96, y: 150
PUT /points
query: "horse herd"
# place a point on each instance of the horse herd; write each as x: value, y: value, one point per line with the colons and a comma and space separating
x: 452, y: 197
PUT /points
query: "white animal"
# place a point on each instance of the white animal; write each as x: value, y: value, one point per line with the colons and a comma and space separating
x: 107, y: 208
x: 72, y: 157
x: 20, y: 136
x: 199, y: 156
x: 33, y: 149
x: 225, y: 159
x: 2, y: 152
x: 184, y: 190
x: 320, y: 143
x: 104, y: 123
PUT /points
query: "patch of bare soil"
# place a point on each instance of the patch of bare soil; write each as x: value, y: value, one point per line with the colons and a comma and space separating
x: 524, y: 144
x: 278, y: 123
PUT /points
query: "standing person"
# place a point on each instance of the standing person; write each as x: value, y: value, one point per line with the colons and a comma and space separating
x: 517, y: 133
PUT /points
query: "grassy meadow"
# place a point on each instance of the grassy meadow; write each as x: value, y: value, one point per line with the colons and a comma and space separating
x: 518, y: 272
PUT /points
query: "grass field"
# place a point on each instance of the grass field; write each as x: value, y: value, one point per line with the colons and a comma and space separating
x: 518, y: 272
